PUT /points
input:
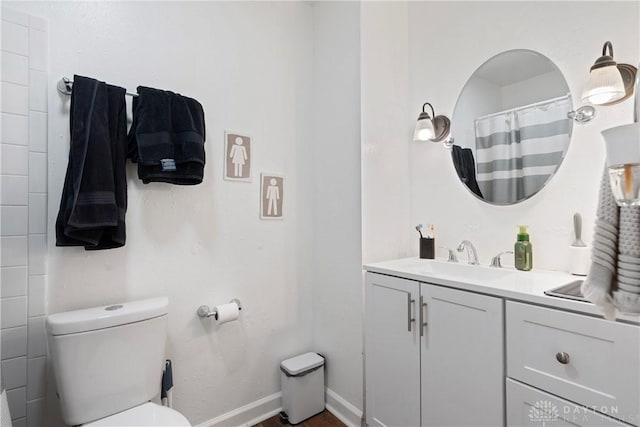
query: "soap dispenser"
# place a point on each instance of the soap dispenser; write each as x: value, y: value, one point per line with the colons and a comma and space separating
x: 523, y: 251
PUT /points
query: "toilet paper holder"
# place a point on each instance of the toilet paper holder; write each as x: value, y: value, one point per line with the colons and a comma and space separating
x: 205, y: 311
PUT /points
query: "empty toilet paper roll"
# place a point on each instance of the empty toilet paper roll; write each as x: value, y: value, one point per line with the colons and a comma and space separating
x: 579, y: 260
x: 227, y: 312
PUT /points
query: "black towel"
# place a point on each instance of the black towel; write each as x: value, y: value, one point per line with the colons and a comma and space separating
x: 94, y: 197
x: 167, y: 379
x: 465, y: 166
x: 167, y: 137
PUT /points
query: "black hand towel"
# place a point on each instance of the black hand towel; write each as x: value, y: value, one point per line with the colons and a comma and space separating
x: 94, y: 197
x: 465, y: 166
x: 167, y: 137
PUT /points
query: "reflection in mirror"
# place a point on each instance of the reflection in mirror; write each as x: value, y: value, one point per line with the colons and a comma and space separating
x: 510, y: 126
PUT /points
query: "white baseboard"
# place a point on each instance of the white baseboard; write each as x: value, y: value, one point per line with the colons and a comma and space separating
x: 268, y: 406
x: 249, y: 414
x: 343, y: 410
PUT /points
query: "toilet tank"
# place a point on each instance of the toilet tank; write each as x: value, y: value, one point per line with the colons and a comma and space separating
x: 107, y: 359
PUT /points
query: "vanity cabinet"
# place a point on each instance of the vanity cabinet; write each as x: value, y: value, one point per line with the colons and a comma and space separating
x: 434, y: 355
x: 489, y: 349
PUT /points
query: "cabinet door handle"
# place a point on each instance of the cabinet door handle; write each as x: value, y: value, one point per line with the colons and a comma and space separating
x: 562, y: 357
x: 410, y: 319
x: 423, y: 315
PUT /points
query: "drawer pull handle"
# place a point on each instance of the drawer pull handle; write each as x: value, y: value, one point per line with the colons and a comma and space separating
x: 562, y: 357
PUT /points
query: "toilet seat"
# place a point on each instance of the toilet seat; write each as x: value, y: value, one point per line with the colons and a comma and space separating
x: 147, y: 414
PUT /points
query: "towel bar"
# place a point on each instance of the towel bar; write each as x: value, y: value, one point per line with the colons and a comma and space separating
x: 65, y: 87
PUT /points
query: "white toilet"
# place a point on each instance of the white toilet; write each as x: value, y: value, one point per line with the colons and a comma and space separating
x: 107, y: 363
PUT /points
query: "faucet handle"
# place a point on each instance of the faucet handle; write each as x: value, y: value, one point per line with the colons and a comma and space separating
x: 495, y: 261
x: 452, y: 254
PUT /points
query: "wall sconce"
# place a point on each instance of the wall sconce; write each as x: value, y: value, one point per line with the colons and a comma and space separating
x: 609, y: 83
x: 428, y: 129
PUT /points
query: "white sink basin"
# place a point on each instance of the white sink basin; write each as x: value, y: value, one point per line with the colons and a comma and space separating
x: 465, y: 272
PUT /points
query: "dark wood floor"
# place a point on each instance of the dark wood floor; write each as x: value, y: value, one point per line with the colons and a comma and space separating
x: 323, y: 419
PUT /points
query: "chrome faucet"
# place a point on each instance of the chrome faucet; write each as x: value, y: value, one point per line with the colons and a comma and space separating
x: 472, y: 254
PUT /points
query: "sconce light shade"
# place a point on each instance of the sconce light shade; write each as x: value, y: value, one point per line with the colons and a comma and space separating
x: 424, y: 128
x: 605, y: 84
x: 428, y: 129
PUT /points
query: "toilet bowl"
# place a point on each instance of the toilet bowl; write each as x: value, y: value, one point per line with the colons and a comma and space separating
x: 107, y: 363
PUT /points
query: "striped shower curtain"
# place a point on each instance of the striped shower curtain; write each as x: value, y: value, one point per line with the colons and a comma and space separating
x: 517, y: 151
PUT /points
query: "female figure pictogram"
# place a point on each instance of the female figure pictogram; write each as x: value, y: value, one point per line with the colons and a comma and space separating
x: 238, y: 155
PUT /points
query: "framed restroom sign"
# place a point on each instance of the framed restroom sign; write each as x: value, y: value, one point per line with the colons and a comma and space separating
x: 271, y: 196
x: 237, y: 159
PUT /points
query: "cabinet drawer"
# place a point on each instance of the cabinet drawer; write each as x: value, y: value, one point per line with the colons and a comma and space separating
x: 527, y: 406
x: 586, y: 360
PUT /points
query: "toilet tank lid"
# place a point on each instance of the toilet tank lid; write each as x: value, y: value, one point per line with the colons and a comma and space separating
x: 90, y: 319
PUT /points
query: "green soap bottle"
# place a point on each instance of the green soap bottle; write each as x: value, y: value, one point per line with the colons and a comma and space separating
x: 523, y: 251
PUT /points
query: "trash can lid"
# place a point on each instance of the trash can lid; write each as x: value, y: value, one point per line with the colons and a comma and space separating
x: 304, y: 362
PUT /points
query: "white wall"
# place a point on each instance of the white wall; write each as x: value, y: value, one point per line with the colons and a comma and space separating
x: 571, y: 34
x: 386, y: 131
x: 250, y: 65
x: 337, y: 253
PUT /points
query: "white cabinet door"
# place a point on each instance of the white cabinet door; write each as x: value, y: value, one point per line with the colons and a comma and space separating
x: 530, y: 407
x: 392, y: 361
x: 462, y: 358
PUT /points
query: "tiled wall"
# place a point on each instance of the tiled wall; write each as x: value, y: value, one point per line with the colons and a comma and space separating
x: 23, y: 214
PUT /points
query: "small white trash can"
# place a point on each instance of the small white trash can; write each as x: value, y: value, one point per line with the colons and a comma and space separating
x: 302, y: 380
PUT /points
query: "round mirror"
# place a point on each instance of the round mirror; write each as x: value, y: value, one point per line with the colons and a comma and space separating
x: 510, y: 127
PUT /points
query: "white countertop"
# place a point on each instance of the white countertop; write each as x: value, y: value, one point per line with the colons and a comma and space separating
x: 507, y: 282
